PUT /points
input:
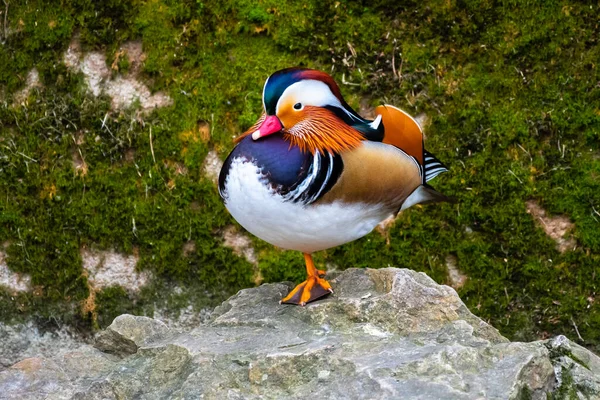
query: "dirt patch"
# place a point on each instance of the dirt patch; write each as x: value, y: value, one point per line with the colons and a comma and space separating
x: 33, y: 81
x: 383, y: 228
x: 241, y: 245
x: 109, y: 268
x: 204, y: 130
x: 13, y: 281
x: 212, y: 166
x: 557, y: 227
x: 123, y: 89
x: 456, y: 277
x: 189, y: 248
x: 95, y: 71
x: 73, y: 54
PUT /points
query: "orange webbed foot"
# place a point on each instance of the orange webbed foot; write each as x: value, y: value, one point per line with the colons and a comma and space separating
x: 313, y: 288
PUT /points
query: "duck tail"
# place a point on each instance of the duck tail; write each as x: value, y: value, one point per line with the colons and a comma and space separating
x: 432, y: 167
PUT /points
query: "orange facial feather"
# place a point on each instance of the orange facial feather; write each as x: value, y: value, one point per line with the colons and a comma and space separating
x: 318, y: 129
x: 314, y: 129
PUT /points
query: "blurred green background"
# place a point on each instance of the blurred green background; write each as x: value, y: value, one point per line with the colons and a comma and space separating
x: 509, y: 92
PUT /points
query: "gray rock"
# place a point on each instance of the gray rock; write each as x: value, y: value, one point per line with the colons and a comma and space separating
x: 127, y: 333
x: 35, y: 339
x: 572, y: 366
x: 388, y: 333
x: 18, y: 342
x: 35, y: 378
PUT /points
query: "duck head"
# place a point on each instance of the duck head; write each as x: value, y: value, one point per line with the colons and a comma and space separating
x: 307, y: 107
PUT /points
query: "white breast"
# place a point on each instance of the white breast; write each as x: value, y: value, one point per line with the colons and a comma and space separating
x: 307, y: 228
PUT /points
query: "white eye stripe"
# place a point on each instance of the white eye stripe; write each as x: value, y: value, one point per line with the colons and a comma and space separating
x: 263, y: 94
x: 309, y: 92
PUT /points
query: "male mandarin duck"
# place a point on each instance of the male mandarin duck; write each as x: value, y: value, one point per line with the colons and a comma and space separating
x: 312, y: 174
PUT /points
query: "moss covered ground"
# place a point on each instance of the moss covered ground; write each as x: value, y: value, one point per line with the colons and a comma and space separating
x: 511, y: 90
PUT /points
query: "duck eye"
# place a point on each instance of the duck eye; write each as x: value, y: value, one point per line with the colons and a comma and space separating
x: 298, y: 106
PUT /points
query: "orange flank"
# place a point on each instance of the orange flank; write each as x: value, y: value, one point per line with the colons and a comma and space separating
x: 375, y: 173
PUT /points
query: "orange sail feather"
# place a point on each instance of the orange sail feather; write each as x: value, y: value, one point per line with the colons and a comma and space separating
x: 402, y: 131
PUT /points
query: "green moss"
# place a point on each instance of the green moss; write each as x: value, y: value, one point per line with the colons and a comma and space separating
x: 567, y: 390
x: 524, y: 394
x: 512, y: 94
x: 113, y: 302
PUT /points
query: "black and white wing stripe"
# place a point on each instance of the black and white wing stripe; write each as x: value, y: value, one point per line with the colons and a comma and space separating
x: 432, y: 166
x: 322, y: 175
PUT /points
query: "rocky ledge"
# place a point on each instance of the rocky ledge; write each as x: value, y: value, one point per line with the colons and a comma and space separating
x: 386, y: 333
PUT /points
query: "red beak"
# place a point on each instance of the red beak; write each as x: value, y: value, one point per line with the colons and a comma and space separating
x: 270, y: 125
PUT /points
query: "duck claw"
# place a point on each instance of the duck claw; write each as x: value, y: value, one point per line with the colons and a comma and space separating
x: 311, y: 289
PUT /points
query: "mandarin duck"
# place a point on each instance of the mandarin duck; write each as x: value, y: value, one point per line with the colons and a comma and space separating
x: 312, y: 174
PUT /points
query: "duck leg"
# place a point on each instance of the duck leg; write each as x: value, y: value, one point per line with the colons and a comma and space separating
x: 312, y: 288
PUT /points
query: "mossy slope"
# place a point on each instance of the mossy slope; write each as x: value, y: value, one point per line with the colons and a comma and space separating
x: 512, y: 92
